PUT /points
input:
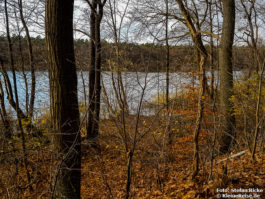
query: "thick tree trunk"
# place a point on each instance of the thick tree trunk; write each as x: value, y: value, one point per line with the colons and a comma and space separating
x: 63, y: 97
x: 226, y: 76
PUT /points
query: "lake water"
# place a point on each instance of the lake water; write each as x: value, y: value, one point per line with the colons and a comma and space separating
x: 134, y: 83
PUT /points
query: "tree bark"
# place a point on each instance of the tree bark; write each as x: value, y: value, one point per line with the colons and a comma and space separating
x: 95, y: 68
x: 63, y: 97
x: 226, y: 76
x: 98, y: 70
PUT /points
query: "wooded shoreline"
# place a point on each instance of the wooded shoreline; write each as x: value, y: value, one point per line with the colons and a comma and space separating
x: 183, y: 58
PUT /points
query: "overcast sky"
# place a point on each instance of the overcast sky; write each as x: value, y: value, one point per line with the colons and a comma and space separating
x: 131, y: 31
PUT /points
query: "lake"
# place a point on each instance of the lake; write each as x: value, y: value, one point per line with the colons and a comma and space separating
x: 134, y: 82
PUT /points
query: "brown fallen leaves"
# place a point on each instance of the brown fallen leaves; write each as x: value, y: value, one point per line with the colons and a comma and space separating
x: 164, y: 174
x: 158, y: 171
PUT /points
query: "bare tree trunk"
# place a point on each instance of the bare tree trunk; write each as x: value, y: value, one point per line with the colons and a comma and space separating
x: 98, y: 70
x: 119, y: 90
x: 258, y: 120
x: 92, y: 73
x: 196, y: 37
x: 96, y: 15
x: 31, y: 63
x: 63, y: 97
x: 134, y: 143
x: 226, y: 76
x: 10, y: 96
x: 199, y: 115
x: 15, y: 104
x: 169, y: 132
x: 251, y: 17
x: 7, y: 131
x: 211, y: 52
x: 22, y: 65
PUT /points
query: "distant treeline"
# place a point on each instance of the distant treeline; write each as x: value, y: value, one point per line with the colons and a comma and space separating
x: 125, y: 56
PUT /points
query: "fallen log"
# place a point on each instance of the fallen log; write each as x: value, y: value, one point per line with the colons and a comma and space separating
x: 232, y: 156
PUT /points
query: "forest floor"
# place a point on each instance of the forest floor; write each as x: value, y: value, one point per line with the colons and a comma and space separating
x: 166, y: 173
x: 158, y: 171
